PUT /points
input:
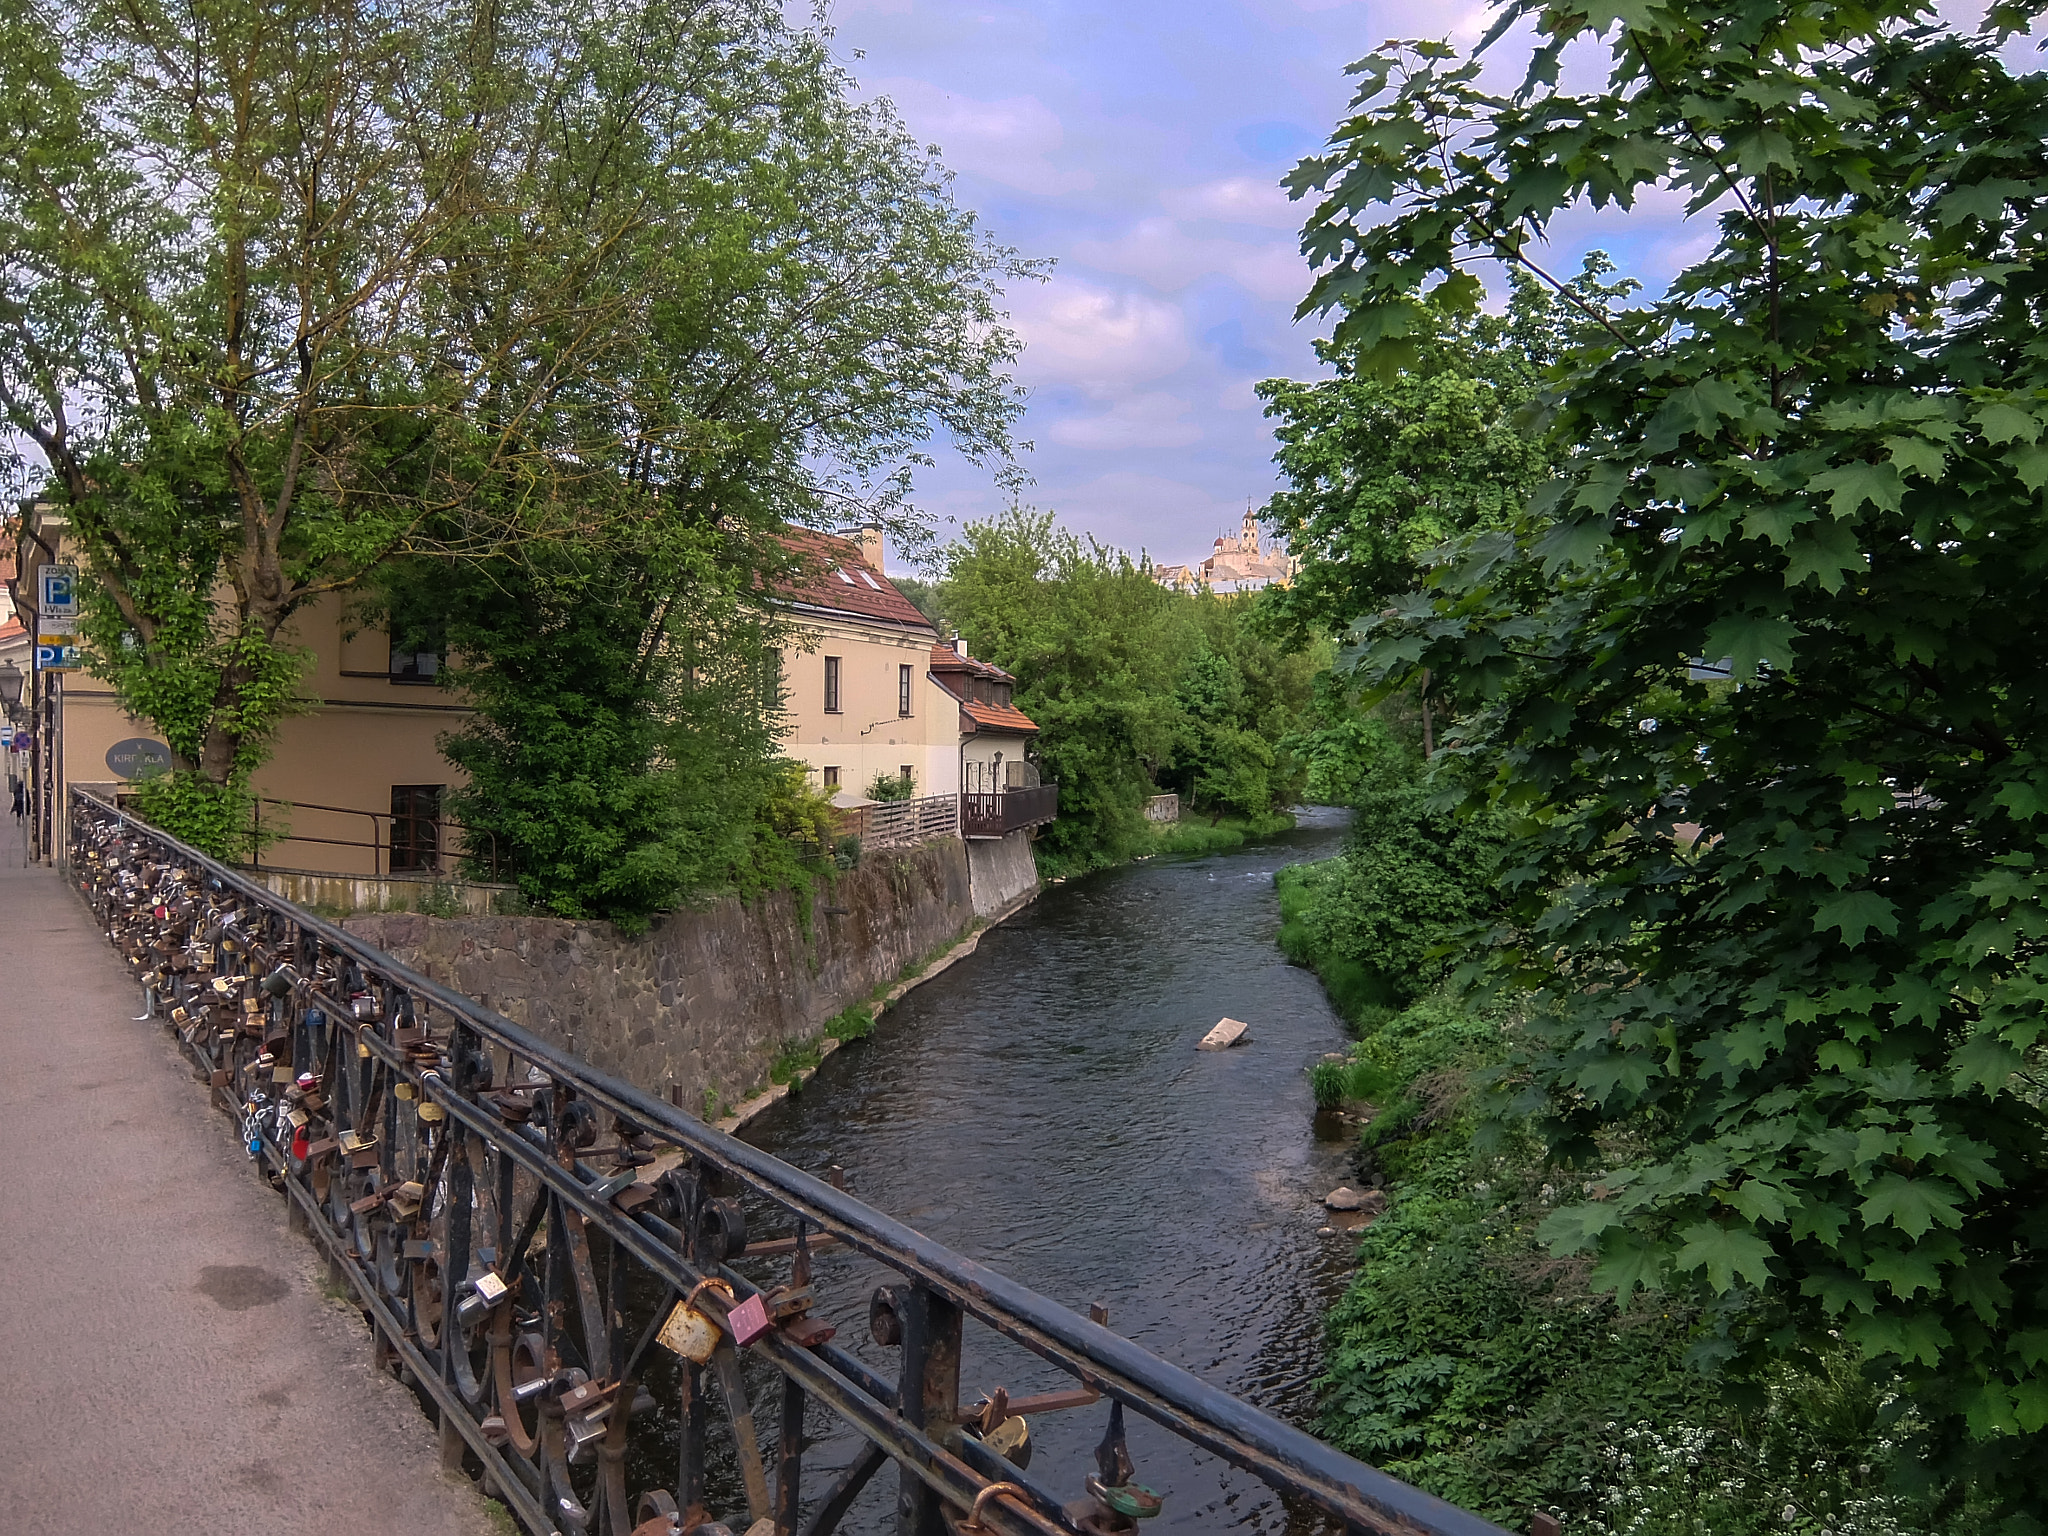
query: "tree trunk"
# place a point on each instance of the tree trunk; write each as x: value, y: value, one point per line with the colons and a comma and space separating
x: 1428, y: 729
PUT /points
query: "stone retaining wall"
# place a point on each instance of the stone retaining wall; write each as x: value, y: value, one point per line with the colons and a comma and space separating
x: 703, y: 1000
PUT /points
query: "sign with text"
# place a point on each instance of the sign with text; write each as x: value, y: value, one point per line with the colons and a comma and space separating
x: 57, y: 591
x: 138, y: 758
x: 57, y: 658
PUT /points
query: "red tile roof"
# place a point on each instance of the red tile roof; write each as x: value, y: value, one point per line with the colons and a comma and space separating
x: 946, y: 659
x: 835, y: 575
x: 998, y: 717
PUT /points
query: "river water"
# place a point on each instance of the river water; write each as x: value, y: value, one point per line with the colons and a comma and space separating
x: 1041, y: 1108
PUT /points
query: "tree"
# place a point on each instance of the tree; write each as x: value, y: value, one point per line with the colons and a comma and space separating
x: 292, y: 287
x: 1389, y: 461
x: 1097, y: 648
x: 1800, y: 1053
x: 1241, y: 698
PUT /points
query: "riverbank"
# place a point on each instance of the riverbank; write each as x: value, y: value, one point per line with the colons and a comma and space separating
x: 1466, y: 1359
x: 1198, y: 834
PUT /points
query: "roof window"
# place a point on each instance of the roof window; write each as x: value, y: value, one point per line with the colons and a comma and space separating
x: 864, y: 576
x: 845, y: 578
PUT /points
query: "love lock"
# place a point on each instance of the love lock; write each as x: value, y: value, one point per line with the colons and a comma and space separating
x: 486, y: 1291
x: 691, y: 1333
x: 1119, y: 1502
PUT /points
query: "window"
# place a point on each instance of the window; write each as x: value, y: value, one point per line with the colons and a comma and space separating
x: 415, y: 826
x: 906, y: 775
x: 831, y: 685
x: 903, y: 690
x: 864, y: 576
x: 416, y: 652
x: 831, y: 778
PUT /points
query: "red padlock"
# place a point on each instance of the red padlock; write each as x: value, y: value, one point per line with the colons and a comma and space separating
x: 301, y: 1143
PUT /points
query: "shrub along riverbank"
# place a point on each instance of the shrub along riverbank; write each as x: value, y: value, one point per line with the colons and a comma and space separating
x: 1464, y: 1357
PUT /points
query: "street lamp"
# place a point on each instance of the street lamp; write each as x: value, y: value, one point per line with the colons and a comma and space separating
x: 10, y: 687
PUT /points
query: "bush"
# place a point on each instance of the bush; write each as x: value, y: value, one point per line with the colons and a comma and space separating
x: 892, y: 786
x: 1382, y: 919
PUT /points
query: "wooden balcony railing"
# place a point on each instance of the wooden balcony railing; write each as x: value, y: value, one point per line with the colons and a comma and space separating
x: 993, y: 815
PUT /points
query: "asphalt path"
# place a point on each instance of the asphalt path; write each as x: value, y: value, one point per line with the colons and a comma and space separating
x: 169, y: 1362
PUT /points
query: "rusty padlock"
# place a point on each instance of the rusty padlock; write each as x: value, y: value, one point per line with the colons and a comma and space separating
x: 692, y: 1333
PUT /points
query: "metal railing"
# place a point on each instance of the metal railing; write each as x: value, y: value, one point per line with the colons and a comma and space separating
x: 544, y: 1248
x: 381, y: 843
x: 993, y: 815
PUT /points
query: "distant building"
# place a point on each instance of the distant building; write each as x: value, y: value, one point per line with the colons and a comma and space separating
x: 1235, y: 565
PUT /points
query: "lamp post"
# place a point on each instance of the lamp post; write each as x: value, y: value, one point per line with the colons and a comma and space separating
x: 10, y: 688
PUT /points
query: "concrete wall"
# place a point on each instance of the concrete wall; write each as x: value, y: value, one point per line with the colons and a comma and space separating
x: 704, y: 999
x: 1002, y: 872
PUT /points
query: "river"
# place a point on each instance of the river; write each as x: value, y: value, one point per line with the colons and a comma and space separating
x: 1041, y: 1107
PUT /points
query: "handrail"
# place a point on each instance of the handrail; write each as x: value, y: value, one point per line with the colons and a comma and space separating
x: 378, y: 842
x: 156, y: 894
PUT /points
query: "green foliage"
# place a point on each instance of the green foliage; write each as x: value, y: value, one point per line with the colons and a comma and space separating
x: 554, y: 279
x: 1388, y: 914
x: 1385, y: 467
x: 211, y: 816
x: 855, y: 1023
x: 892, y: 786
x: 618, y: 764
x: 1802, y: 1052
x: 1135, y: 688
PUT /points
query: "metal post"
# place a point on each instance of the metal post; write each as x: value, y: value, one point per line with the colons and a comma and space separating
x: 930, y: 1394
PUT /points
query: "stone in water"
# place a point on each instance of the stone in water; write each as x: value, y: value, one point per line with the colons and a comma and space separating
x: 1228, y: 1032
x: 1344, y: 1198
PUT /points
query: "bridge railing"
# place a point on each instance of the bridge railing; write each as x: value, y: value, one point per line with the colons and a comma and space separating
x: 548, y: 1254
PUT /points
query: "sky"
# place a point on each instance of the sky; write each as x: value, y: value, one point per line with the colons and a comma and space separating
x: 1140, y: 145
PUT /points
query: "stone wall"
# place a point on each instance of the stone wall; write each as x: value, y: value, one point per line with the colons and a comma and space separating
x: 703, y: 1000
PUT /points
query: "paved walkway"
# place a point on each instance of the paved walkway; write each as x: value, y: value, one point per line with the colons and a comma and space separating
x: 170, y: 1362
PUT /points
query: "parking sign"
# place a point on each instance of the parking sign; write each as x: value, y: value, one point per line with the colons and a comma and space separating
x: 57, y: 591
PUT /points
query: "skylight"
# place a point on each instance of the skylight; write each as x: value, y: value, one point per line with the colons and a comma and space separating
x: 864, y: 576
x: 845, y: 578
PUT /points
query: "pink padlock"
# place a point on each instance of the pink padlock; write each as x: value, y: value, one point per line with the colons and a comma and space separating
x: 748, y: 1321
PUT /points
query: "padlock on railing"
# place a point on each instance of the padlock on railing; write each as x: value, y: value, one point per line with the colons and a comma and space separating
x: 691, y: 1332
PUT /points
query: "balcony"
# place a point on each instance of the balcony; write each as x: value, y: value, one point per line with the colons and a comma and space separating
x: 1009, y: 810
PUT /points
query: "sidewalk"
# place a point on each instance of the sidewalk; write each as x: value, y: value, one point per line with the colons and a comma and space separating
x: 171, y: 1364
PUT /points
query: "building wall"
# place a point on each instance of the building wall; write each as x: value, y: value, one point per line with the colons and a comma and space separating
x: 364, y: 735
x: 982, y: 749
x: 868, y: 736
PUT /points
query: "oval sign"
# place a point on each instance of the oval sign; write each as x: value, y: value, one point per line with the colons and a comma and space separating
x: 138, y: 758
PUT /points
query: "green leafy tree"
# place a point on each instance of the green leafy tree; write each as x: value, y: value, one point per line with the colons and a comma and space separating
x: 291, y: 288
x: 1241, y: 697
x: 1799, y: 1053
x: 1393, y: 457
x: 1097, y: 648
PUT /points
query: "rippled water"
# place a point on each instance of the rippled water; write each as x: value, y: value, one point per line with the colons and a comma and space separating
x: 1041, y: 1107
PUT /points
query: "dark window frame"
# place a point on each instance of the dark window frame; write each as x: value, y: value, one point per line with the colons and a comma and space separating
x: 903, y: 695
x: 832, y: 699
x: 831, y: 776
x: 415, y: 827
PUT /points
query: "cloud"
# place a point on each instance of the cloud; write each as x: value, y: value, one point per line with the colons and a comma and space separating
x: 1008, y: 140
x: 1238, y: 200
x: 1170, y: 518
x: 1154, y: 419
x: 1095, y: 340
x: 1164, y: 254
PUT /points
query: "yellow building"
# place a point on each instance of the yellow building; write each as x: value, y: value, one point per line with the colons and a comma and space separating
x: 860, y: 699
x: 355, y: 780
x: 354, y: 784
